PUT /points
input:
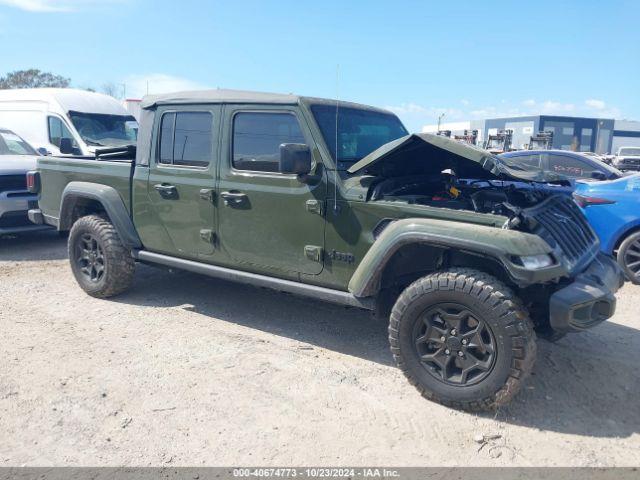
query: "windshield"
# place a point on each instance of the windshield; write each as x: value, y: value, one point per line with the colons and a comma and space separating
x: 630, y: 151
x: 524, y: 163
x: 359, y: 131
x: 12, y: 144
x: 105, y: 130
x: 609, y: 168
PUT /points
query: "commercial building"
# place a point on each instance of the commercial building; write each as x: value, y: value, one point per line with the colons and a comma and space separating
x: 133, y: 107
x: 600, y: 135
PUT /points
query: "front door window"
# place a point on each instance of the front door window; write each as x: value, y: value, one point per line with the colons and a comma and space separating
x: 58, y: 130
x: 257, y: 138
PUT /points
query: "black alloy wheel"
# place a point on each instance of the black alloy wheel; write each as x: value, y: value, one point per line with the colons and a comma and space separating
x: 462, y: 338
x: 454, y: 345
x: 102, y: 265
x: 90, y: 257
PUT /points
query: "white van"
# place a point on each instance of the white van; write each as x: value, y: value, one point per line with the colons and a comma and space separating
x: 66, y: 121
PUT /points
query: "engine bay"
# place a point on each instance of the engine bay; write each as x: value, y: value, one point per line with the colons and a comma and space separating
x: 445, y: 190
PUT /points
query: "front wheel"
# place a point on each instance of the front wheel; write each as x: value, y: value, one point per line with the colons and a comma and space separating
x: 463, y: 339
x: 629, y: 257
x: 103, y: 267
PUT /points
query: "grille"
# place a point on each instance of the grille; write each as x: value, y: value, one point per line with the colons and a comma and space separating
x: 13, y: 182
x: 560, y: 218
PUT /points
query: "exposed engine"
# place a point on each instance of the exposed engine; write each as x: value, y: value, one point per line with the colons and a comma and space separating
x: 446, y: 191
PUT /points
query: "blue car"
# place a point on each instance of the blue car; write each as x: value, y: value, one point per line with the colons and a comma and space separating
x: 613, y: 210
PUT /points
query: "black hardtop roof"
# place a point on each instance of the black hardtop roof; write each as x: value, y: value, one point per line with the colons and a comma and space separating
x: 241, y: 96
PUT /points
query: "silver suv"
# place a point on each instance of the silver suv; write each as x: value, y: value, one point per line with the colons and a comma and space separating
x: 16, y: 158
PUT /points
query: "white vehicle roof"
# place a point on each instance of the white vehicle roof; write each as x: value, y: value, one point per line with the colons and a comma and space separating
x: 630, y: 147
x: 69, y: 99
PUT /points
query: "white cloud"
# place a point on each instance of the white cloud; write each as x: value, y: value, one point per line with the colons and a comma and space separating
x: 414, y: 109
x: 597, y: 104
x: 550, y: 107
x: 34, y: 5
x: 600, y: 108
x: 492, y: 111
x: 54, y: 5
x: 415, y: 116
x: 140, y: 85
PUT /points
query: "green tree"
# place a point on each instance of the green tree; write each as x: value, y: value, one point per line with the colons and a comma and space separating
x: 33, y: 78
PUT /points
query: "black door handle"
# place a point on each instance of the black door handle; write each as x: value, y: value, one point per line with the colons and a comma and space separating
x: 167, y: 191
x: 233, y: 198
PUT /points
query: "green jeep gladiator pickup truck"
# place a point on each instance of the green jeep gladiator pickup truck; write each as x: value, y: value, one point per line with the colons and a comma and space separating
x: 467, y: 254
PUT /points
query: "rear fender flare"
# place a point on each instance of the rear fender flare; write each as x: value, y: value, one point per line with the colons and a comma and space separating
x: 110, y: 200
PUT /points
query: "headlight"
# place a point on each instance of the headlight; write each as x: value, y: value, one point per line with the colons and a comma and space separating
x: 535, y: 262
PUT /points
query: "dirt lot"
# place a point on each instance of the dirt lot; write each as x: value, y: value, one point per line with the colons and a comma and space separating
x: 187, y: 370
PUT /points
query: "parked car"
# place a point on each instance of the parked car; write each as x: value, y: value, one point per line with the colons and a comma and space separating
x: 570, y: 164
x: 613, y: 210
x: 339, y: 203
x: 627, y: 158
x: 65, y: 120
x: 17, y: 157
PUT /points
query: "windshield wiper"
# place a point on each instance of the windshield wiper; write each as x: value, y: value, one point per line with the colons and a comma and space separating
x: 93, y: 142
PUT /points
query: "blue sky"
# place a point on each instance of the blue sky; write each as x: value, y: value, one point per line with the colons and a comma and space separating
x: 471, y: 59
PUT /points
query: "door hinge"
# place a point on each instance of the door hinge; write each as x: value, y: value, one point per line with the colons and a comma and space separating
x: 313, y: 252
x: 314, y: 206
x: 207, y: 194
x: 208, y: 236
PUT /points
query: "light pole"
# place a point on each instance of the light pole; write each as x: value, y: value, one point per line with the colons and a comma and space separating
x: 440, y: 117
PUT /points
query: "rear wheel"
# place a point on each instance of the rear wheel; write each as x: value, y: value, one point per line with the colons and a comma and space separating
x: 463, y: 339
x: 629, y: 257
x: 103, y: 267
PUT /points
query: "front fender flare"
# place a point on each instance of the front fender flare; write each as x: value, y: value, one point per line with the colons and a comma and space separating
x: 110, y: 200
x: 496, y: 243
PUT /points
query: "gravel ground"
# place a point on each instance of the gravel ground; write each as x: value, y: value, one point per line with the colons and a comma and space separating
x: 188, y: 370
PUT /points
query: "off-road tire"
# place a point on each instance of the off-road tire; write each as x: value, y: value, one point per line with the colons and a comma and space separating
x: 497, y: 306
x: 631, y: 242
x: 119, y: 266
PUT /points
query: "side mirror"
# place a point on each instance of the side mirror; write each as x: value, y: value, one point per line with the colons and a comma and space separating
x: 295, y: 158
x: 43, y: 151
x: 598, y: 175
x: 66, y: 146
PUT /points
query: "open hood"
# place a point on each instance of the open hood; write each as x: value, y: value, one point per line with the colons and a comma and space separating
x: 425, y: 153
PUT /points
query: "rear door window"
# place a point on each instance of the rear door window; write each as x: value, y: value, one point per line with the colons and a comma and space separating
x: 570, y: 166
x: 186, y: 139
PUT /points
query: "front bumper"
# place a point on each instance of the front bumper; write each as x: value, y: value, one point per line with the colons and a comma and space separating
x: 627, y: 166
x: 589, y: 300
